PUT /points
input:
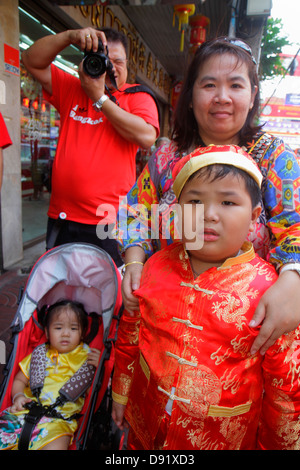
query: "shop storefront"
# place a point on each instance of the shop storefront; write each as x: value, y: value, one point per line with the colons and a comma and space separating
x: 39, y: 132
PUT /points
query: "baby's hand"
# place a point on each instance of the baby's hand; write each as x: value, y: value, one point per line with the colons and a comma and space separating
x: 19, y: 403
x: 93, y: 357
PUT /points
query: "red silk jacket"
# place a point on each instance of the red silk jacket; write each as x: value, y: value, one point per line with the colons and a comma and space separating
x: 191, y: 344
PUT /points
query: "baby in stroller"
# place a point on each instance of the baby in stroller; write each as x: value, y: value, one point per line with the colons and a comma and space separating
x: 65, y: 352
x: 59, y: 378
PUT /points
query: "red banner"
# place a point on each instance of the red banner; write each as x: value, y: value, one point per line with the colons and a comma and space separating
x: 281, y: 111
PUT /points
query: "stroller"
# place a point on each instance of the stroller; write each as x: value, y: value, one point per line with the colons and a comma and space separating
x: 78, y: 272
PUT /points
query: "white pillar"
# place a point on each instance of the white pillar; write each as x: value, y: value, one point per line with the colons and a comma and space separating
x: 11, y: 244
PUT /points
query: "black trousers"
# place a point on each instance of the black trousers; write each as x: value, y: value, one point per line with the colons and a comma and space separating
x: 60, y: 232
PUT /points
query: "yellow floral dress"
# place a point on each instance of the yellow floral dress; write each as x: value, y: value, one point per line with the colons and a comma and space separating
x: 59, y: 369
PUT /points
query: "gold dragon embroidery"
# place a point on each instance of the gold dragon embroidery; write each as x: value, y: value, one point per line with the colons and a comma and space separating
x: 235, y: 294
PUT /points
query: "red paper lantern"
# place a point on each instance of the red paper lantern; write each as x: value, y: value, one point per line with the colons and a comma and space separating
x: 198, y: 26
x: 175, y: 92
x: 183, y: 12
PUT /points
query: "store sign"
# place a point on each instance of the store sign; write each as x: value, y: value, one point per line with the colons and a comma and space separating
x: 281, y: 111
x: 103, y: 2
x: 286, y: 126
x: 292, y: 99
x: 141, y: 60
x: 11, y: 60
x: 74, y: 2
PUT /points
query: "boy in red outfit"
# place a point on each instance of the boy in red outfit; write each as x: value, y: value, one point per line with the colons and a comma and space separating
x: 184, y: 374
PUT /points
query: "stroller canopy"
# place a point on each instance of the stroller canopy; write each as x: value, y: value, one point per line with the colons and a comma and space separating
x: 75, y: 271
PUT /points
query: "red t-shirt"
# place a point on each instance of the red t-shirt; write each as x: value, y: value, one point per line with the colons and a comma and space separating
x: 93, y: 165
x: 5, y: 139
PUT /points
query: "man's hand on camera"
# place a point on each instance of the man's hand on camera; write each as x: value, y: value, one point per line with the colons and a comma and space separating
x: 87, y: 38
x: 93, y: 87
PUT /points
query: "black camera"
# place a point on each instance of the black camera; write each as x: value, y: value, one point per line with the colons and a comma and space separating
x: 97, y: 63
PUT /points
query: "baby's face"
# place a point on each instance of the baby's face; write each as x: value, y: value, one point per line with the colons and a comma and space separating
x: 64, y: 332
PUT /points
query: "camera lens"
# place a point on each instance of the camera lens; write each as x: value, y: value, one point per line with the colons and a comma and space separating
x: 94, y: 65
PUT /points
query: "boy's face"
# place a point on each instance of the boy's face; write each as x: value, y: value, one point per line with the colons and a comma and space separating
x: 228, y: 217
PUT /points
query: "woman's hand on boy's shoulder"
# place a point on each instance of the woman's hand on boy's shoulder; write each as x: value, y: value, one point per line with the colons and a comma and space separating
x: 278, y: 311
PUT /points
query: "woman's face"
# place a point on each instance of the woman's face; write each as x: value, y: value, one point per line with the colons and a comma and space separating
x: 221, y: 99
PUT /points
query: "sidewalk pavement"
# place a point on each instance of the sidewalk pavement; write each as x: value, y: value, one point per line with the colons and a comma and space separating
x: 12, y: 281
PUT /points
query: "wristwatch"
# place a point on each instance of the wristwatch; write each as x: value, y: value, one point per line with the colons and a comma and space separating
x: 98, y: 105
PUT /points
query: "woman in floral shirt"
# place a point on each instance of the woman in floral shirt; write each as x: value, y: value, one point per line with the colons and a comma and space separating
x: 219, y: 104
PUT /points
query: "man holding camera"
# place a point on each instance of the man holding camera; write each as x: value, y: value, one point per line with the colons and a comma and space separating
x: 102, y: 126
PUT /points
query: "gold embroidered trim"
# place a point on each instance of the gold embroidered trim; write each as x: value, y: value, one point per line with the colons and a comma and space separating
x: 187, y: 323
x: 248, y: 254
x: 181, y: 360
x: 173, y: 397
x: 144, y: 366
x: 119, y: 398
x: 196, y: 287
x: 224, y: 411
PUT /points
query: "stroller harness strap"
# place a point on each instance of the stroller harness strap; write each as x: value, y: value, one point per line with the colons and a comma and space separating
x: 70, y: 391
x: 79, y: 383
x: 37, y: 369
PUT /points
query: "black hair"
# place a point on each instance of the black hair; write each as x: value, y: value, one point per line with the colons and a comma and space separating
x: 185, y: 130
x: 46, y: 314
x: 219, y: 171
x: 112, y: 35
